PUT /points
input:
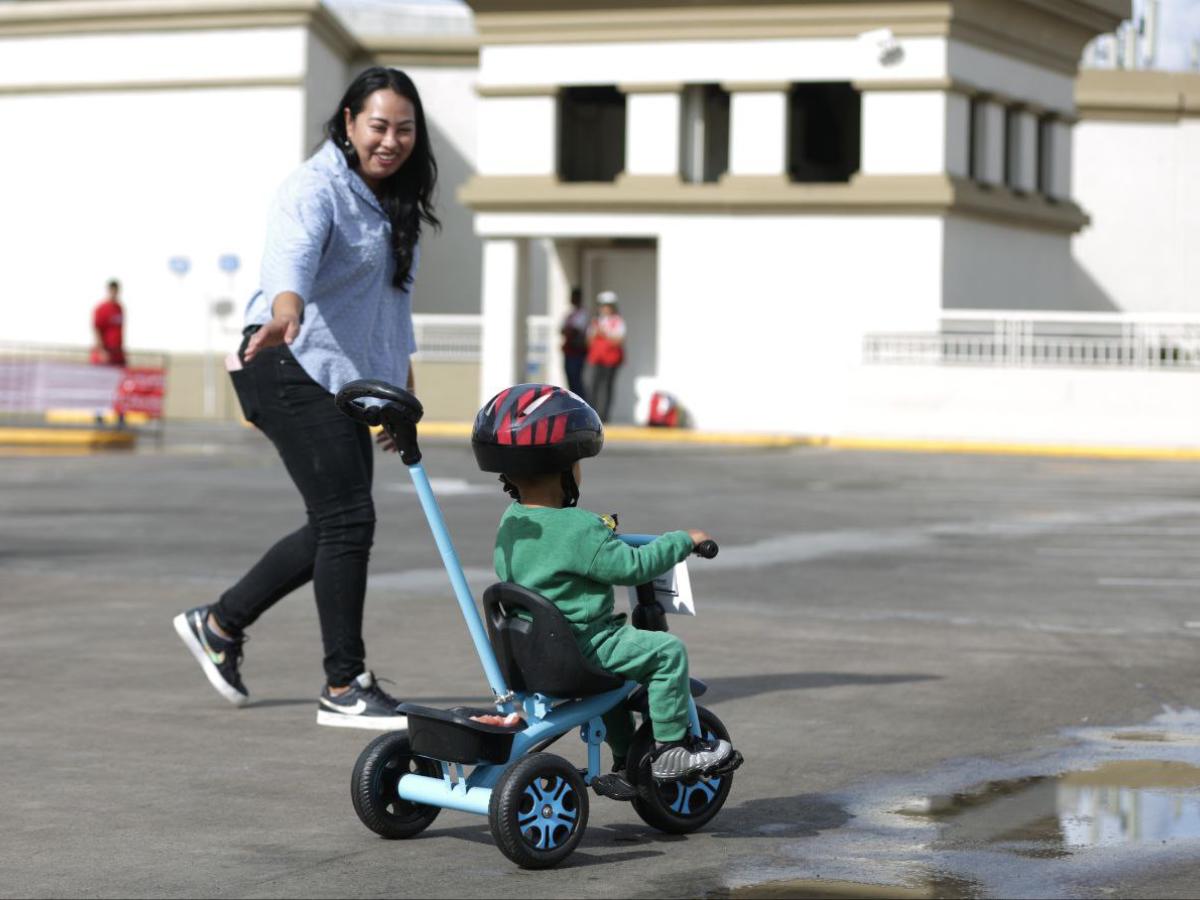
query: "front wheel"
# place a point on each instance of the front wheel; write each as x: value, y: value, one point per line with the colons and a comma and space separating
x: 538, y: 811
x: 374, y: 787
x: 676, y: 807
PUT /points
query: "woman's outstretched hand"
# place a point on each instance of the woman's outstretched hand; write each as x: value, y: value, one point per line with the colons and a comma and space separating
x: 280, y: 330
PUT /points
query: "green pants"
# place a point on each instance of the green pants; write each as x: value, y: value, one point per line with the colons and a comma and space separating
x: 655, y: 659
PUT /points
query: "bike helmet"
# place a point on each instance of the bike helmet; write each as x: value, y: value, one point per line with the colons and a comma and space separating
x: 536, y: 429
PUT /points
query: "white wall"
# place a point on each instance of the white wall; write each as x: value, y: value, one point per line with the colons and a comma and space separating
x: 520, y: 135
x: 906, y: 133
x: 1140, y: 182
x: 451, y: 260
x: 113, y: 182
x: 144, y: 176
x: 995, y: 266
x: 1013, y: 78
x: 325, y: 79
x: 1043, y: 406
x: 703, y: 62
x: 757, y: 330
x: 153, y: 56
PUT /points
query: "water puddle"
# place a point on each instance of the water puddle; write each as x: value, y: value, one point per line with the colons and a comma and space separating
x: 1122, y: 802
x: 1076, y: 820
x: 826, y: 889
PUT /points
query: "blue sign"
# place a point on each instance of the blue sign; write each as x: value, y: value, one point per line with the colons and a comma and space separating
x: 179, y: 264
x: 228, y: 262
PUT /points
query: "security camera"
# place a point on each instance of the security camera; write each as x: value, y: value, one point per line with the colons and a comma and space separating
x: 884, y: 45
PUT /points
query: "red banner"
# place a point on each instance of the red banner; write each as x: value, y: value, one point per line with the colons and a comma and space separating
x: 141, y: 391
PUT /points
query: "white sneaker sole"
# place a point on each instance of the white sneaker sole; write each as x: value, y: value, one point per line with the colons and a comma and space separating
x: 211, y: 672
x: 371, y: 723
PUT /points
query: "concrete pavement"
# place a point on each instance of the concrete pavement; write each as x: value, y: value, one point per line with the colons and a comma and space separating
x: 875, y: 623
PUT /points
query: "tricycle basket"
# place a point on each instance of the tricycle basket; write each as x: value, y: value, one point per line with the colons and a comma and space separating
x: 450, y: 735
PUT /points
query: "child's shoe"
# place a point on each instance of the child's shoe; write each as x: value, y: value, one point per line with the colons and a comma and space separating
x: 364, y: 705
x: 218, y: 656
x: 688, y: 758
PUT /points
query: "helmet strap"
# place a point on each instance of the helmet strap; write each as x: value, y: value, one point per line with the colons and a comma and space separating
x: 510, y: 488
x: 570, y: 489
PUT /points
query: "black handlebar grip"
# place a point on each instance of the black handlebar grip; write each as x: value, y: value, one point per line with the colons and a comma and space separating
x: 399, y: 414
x: 707, y: 549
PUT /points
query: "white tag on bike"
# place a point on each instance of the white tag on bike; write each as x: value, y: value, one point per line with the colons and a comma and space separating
x: 673, y: 590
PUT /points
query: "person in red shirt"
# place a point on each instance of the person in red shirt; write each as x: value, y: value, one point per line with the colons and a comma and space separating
x: 606, y: 352
x: 108, y: 321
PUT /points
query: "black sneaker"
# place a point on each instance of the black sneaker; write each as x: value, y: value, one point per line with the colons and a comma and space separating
x: 218, y: 656
x: 364, y: 705
x: 688, y: 758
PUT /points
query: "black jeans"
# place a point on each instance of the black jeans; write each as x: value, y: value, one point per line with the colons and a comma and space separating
x: 601, y: 393
x: 573, y: 367
x: 330, y: 459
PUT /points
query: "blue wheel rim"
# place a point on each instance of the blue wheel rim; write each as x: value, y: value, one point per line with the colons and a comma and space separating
x: 549, y: 812
x: 690, y: 799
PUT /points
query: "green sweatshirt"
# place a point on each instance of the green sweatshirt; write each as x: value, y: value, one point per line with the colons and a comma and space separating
x: 573, y: 559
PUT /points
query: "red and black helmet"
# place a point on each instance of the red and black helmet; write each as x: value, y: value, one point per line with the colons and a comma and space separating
x: 535, y: 429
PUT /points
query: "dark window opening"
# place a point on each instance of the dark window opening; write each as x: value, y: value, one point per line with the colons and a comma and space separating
x: 591, y: 135
x: 1045, y: 156
x: 704, y: 139
x: 977, y: 140
x: 1012, y: 147
x: 824, y: 131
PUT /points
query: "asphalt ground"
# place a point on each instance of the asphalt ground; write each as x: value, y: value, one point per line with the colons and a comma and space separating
x: 874, y: 620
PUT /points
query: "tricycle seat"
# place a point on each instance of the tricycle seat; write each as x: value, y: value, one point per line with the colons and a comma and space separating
x: 536, y: 647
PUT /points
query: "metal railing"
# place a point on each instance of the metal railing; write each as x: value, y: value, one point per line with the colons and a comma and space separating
x: 459, y: 338
x: 37, y: 381
x: 1035, y: 339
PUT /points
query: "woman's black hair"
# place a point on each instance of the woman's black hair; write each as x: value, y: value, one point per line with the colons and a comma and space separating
x: 407, y: 196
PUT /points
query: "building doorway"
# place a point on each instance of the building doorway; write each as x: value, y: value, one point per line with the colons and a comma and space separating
x: 632, y: 272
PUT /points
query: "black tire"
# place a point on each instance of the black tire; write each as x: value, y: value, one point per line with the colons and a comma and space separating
x: 379, y: 769
x: 676, y: 807
x: 538, y: 811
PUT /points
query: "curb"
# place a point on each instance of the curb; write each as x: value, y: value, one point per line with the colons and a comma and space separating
x: 81, y: 438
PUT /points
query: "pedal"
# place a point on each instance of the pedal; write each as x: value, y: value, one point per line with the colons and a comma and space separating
x: 614, y: 787
x: 728, y: 767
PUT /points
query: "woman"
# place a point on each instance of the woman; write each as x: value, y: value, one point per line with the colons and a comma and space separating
x: 606, y: 352
x: 334, y: 305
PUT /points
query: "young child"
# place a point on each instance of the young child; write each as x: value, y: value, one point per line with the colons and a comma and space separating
x: 534, y: 436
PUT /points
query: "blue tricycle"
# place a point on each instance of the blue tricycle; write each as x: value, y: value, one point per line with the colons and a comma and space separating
x: 536, y: 802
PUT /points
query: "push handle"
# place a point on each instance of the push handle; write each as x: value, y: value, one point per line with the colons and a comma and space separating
x: 706, y: 549
x: 399, y: 413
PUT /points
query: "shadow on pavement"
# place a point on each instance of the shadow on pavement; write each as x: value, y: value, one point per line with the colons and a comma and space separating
x: 804, y: 815
x: 739, y: 687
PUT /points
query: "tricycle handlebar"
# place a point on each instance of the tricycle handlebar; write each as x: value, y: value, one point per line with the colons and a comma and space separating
x: 398, y: 413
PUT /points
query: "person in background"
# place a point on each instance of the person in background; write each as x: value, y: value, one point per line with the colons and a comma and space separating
x: 108, y: 322
x: 575, y: 343
x: 606, y: 352
x: 334, y: 305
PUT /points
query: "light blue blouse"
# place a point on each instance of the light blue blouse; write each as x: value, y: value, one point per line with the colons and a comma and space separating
x: 329, y: 240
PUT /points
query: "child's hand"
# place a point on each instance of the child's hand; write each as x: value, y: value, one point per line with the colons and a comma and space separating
x: 697, y: 537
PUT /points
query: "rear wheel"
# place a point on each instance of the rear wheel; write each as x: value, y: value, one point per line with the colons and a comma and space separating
x: 374, y: 787
x: 676, y: 807
x: 538, y: 811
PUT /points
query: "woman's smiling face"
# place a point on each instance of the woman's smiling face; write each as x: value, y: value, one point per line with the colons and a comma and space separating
x: 383, y: 135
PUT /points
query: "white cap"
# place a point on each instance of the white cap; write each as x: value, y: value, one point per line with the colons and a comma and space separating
x: 606, y: 298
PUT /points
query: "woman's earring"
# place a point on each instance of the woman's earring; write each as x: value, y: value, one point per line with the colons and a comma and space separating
x: 346, y: 143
